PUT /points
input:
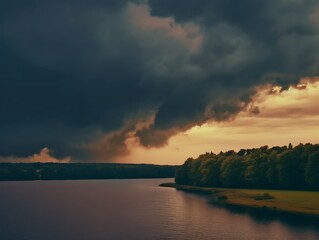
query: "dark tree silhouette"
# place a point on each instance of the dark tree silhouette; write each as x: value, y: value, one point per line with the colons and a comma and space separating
x: 275, y: 168
x: 61, y: 171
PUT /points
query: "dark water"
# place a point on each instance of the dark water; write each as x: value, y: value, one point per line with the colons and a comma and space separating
x: 129, y: 209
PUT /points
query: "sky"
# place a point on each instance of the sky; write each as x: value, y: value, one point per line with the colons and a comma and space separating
x: 155, y: 81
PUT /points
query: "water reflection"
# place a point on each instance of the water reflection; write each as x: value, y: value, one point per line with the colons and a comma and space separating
x: 265, y: 216
x: 130, y: 209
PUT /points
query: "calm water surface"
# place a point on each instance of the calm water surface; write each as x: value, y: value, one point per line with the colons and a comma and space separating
x: 129, y: 209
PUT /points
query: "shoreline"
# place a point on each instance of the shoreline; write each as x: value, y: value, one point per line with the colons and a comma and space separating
x: 260, y: 200
x: 82, y: 179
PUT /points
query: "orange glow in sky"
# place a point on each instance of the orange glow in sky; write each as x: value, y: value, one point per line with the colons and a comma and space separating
x: 290, y: 116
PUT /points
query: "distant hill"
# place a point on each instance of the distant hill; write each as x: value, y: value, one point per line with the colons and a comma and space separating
x: 68, y: 171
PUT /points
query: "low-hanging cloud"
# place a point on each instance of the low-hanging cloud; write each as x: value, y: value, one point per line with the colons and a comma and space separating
x: 92, y: 78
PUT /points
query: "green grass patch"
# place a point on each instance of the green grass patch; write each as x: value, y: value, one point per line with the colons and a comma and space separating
x: 299, y: 202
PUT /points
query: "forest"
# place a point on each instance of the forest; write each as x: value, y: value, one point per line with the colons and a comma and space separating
x: 65, y: 171
x: 287, y: 167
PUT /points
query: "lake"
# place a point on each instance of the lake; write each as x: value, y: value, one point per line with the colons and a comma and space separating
x: 130, y: 209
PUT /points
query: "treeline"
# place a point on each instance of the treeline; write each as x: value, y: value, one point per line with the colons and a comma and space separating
x: 285, y: 167
x: 65, y: 171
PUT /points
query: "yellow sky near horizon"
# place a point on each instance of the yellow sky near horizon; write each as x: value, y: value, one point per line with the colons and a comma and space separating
x: 288, y: 117
x: 291, y: 116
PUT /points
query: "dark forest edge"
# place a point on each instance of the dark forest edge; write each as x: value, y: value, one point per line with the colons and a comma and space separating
x: 287, y: 167
x: 78, y: 171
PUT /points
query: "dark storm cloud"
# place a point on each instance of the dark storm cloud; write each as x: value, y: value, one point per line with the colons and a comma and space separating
x: 81, y: 76
x: 248, y: 43
x: 66, y: 71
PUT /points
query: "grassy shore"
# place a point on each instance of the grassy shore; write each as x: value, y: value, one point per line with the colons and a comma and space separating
x: 297, y: 202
